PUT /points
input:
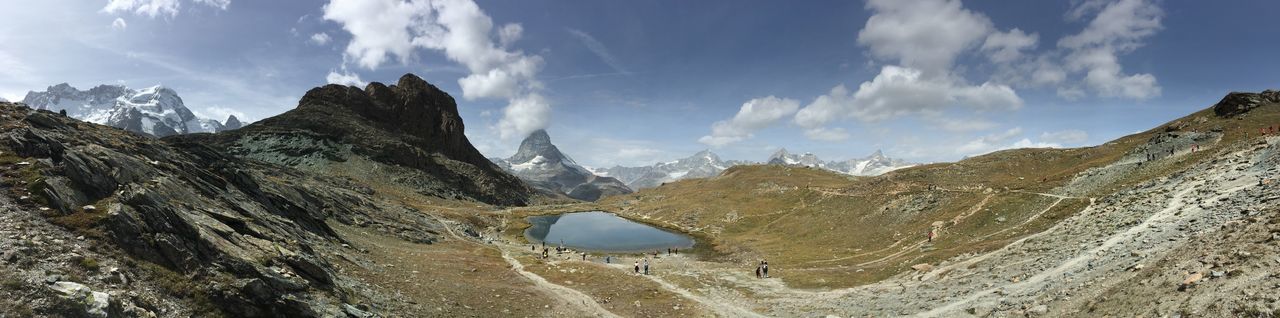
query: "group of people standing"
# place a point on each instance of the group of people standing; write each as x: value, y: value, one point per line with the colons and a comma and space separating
x: 638, y: 266
x: 762, y: 270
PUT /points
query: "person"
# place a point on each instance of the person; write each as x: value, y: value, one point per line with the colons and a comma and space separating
x: 646, y: 266
x: 533, y: 248
x: 636, y: 267
x: 758, y: 270
x: 765, y: 269
x: 931, y: 234
x: 584, y: 256
x: 606, y: 259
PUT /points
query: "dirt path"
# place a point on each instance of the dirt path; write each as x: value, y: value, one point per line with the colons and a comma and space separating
x: 722, y: 309
x: 570, y: 295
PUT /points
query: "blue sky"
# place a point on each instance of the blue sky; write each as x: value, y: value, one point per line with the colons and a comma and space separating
x: 635, y: 82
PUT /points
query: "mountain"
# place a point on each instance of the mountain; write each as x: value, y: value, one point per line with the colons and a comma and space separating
x: 703, y: 164
x: 156, y: 110
x: 541, y: 163
x: 782, y: 157
x: 875, y: 164
x: 232, y: 123
x: 407, y: 134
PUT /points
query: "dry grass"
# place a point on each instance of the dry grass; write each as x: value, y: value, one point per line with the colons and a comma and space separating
x: 828, y: 230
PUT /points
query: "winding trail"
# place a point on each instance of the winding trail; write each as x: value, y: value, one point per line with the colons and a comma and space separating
x: 570, y: 295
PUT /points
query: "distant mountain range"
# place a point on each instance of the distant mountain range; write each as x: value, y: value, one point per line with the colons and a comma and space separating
x: 156, y: 110
x: 543, y: 166
x: 707, y: 164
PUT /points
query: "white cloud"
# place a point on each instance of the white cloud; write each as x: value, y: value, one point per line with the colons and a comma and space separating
x: 599, y: 49
x: 524, y: 115
x: 119, y: 24
x: 155, y: 8
x: 1004, y: 47
x: 1118, y: 27
x: 754, y: 115
x: 826, y: 134
x: 927, y: 35
x: 383, y: 29
x: 320, y: 38
x: 899, y: 91
x: 1066, y: 137
x: 220, y: 113
x: 509, y: 34
x: 344, y: 78
x: 1001, y: 141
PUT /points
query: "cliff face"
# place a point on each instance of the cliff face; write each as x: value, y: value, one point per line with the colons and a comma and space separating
x: 411, y: 124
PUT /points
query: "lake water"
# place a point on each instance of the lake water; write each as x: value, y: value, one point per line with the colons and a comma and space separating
x: 602, y: 232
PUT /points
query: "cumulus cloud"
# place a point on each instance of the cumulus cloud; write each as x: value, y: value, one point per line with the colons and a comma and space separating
x: 385, y: 29
x: 1118, y: 27
x: 320, y: 38
x: 524, y: 115
x: 344, y: 78
x: 119, y: 24
x: 155, y: 8
x: 1000, y: 141
x: 754, y: 115
x: 599, y: 49
x: 899, y: 91
x: 1004, y: 47
x: 927, y: 35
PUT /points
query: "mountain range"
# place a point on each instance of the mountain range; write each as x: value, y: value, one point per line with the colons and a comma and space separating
x: 542, y: 165
x: 706, y: 164
x: 156, y: 110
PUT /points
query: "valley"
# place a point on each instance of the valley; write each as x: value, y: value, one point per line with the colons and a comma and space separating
x: 290, y: 217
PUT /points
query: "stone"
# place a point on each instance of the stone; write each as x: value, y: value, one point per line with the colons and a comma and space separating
x: 1038, y: 310
x: 1218, y: 274
x: 354, y: 312
x: 922, y: 267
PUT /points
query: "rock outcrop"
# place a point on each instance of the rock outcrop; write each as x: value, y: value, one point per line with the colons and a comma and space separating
x: 254, y: 234
x: 1236, y: 103
x: 411, y: 124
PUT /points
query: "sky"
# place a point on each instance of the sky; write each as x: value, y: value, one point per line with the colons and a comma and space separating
x: 637, y: 82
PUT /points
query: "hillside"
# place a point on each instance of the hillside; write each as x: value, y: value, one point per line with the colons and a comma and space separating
x: 1027, y: 206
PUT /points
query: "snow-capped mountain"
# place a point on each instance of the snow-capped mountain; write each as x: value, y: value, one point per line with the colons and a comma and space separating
x: 875, y: 164
x: 542, y: 165
x: 155, y: 110
x: 782, y: 157
x: 700, y: 165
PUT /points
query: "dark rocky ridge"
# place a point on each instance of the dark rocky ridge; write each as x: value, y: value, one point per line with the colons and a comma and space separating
x: 1236, y: 103
x: 411, y: 124
x: 254, y: 235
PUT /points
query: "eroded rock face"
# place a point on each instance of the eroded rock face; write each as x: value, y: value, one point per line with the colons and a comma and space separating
x: 254, y: 234
x: 1236, y: 103
x: 411, y: 124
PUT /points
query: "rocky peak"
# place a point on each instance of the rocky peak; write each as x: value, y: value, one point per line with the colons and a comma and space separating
x: 232, y: 123
x: 877, y: 156
x: 538, y: 143
x: 1236, y: 103
x: 412, y: 106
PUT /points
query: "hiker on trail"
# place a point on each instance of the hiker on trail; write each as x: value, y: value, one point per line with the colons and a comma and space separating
x: 636, y: 267
x: 646, y: 266
x: 932, y: 233
x: 765, y: 269
x: 758, y: 269
x: 584, y: 256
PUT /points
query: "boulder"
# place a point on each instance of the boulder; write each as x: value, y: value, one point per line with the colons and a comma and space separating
x: 922, y: 267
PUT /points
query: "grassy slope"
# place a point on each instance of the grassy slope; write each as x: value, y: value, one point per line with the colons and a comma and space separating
x: 821, y: 229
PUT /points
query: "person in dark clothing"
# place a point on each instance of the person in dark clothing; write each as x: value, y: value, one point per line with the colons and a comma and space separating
x: 636, y: 267
x: 758, y: 271
x: 765, y: 269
